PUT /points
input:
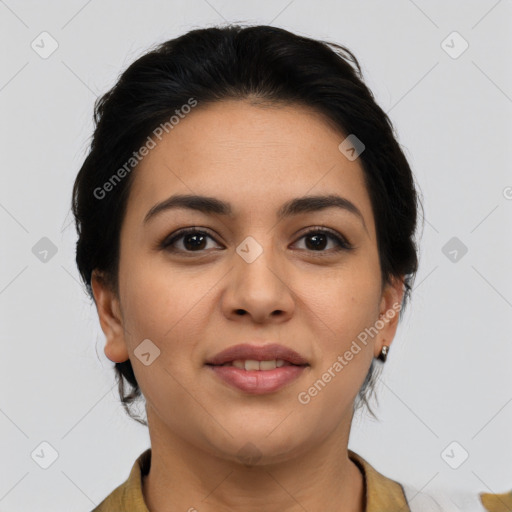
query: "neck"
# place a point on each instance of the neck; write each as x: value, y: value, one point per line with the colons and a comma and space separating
x: 185, y: 477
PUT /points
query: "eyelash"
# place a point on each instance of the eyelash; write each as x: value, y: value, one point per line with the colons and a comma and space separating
x: 342, y: 243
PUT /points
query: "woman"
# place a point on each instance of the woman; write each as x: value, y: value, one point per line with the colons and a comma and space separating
x: 246, y: 226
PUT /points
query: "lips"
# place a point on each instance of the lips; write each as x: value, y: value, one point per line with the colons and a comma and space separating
x: 258, y: 370
x: 245, y: 352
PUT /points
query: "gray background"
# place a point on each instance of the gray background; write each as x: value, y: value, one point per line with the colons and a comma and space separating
x: 448, y: 377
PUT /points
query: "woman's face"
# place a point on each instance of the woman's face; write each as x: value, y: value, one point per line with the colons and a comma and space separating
x: 252, y: 277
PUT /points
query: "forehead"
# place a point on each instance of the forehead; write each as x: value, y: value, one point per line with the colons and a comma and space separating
x: 255, y: 157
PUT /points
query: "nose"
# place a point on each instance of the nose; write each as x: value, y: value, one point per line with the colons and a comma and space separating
x: 258, y: 289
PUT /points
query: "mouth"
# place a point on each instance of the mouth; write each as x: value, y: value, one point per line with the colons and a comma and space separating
x: 258, y: 369
x: 254, y: 365
x: 263, y: 355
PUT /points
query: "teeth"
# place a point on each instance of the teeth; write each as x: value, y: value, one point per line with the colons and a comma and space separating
x: 251, y: 364
x: 267, y: 365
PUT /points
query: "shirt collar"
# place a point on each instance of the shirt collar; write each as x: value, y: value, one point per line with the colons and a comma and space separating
x: 382, y: 493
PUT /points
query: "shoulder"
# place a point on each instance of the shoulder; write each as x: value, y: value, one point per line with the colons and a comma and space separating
x: 385, y: 494
x: 128, y: 495
x: 497, y: 502
x: 443, y: 500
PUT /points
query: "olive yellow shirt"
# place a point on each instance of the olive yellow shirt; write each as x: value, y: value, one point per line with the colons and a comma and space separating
x: 382, y: 493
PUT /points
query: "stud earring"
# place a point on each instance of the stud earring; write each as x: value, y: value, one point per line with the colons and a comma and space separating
x: 384, y: 353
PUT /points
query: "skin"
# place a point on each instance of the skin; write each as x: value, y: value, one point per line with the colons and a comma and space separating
x: 315, y: 301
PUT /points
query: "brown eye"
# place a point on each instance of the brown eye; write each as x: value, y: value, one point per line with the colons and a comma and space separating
x: 195, y: 241
x: 318, y: 239
x: 191, y: 240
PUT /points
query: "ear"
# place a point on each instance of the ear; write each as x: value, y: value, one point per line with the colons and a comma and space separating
x: 109, y: 312
x: 390, y: 306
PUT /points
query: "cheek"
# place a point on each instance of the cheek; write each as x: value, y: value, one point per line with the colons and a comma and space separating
x: 342, y: 313
x: 346, y: 300
x: 342, y: 308
x: 168, y: 312
x: 169, y: 308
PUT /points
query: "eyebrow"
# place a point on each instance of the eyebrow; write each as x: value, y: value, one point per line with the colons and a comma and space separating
x: 212, y: 205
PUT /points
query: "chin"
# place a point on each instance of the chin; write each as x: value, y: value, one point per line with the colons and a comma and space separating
x: 260, y: 449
